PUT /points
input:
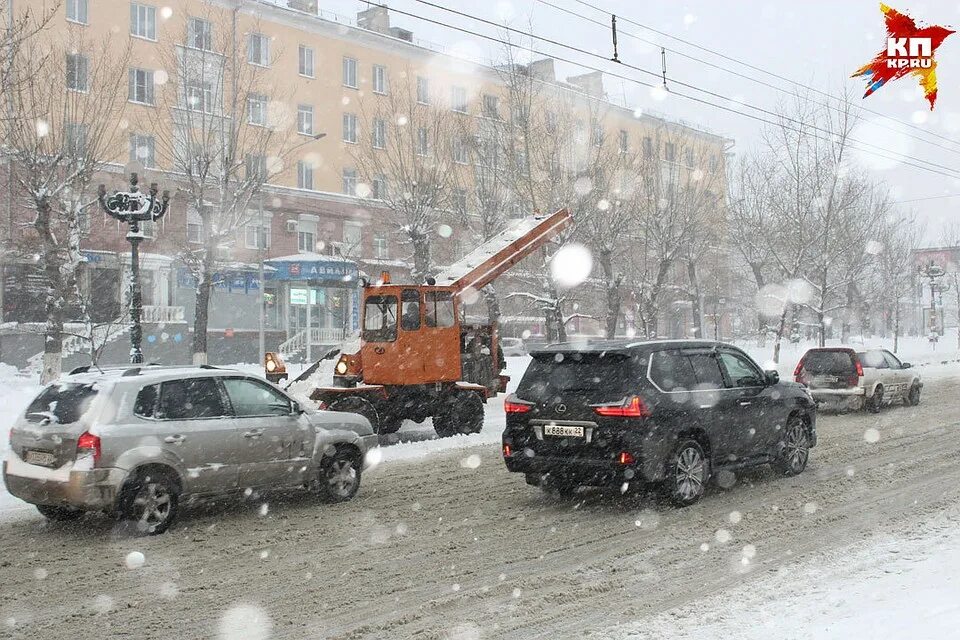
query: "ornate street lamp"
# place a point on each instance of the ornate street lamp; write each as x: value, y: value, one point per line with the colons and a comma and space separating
x: 133, y: 207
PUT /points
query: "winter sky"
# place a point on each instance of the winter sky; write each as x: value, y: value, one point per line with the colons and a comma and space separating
x: 819, y: 43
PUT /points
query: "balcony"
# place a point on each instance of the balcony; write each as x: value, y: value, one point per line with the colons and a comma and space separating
x: 162, y: 314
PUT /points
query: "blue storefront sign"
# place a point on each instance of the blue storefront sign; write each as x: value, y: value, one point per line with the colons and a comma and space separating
x: 233, y: 281
x: 330, y: 271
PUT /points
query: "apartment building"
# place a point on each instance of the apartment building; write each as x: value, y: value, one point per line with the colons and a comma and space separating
x: 319, y: 220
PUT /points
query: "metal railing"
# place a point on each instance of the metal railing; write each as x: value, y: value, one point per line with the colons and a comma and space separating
x: 319, y: 335
x: 163, y: 313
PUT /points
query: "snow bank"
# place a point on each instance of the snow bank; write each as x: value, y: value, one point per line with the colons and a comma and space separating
x: 895, y: 587
x: 16, y: 392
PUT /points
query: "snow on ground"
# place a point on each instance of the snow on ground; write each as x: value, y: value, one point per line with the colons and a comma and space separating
x: 893, y: 587
x: 16, y: 392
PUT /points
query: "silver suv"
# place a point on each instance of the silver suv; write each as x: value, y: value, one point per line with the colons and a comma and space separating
x: 134, y: 442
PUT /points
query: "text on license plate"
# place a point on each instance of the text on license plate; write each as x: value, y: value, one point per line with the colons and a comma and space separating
x: 562, y: 430
x: 40, y: 457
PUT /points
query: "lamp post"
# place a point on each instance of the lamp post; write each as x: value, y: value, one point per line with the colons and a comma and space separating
x: 133, y: 207
x: 934, y: 272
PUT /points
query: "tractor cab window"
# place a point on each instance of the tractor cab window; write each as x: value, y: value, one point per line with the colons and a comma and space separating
x: 439, y: 309
x: 410, y: 310
x: 380, y: 319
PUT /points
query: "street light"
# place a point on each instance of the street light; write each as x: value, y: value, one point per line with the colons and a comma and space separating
x: 133, y: 207
x: 261, y: 242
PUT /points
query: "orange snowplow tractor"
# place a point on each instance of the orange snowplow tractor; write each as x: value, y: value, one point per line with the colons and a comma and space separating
x: 273, y: 367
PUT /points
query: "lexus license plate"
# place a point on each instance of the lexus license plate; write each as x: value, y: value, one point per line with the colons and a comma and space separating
x: 42, y: 458
x: 563, y: 431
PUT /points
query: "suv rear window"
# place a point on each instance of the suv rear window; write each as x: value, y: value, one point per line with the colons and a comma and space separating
x: 62, y: 403
x: 595, y: 374
x: 834, y: 362
x: 676, y: 370
x: 190, y: 398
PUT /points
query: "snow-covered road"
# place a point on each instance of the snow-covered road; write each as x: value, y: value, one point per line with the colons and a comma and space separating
x: 450, y: 545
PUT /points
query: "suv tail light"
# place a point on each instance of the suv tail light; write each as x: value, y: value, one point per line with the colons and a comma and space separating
x: 798, y: 372
x: 511, y: 405
x: 632, y: 407
x: 854, y: 380
x: 87, y: 442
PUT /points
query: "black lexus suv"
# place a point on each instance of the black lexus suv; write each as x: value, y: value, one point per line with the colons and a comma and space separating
x: 670, y: 413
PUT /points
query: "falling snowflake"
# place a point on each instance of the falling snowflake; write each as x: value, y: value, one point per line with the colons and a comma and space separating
x: 134, y: 560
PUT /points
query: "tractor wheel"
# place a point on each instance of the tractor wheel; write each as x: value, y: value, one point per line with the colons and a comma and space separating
x: 362, y: 406
x: 459, y: 412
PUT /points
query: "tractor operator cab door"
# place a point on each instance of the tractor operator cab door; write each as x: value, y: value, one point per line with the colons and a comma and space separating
x: 439, y: 339
x: 380, y: 348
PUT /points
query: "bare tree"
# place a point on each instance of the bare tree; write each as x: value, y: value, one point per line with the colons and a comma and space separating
x: 217, y: 128
x: 411, y: 157
x: 66, y: 103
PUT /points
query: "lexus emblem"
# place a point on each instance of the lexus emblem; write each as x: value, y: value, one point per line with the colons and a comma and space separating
x: 561, y: 408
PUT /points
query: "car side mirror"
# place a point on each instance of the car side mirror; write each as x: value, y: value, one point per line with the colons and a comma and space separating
x: 905, y: 365
x: 772, y: 376
x: 296, y: 408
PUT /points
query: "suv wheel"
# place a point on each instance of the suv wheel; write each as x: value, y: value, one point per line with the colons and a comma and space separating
x: 339, y: 477
x: 687, y: 474
x: 913, y: 399
x: 60, y: 514
x: 796, y: 448
x: 150, y: 502
x: 875, y: 402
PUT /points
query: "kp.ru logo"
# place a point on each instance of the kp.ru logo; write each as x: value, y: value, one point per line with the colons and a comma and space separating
x: 909, y: 50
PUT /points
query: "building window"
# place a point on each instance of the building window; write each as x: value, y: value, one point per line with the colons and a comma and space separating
x: 258, y: 237
x: 350, y: 73
x: 305, y: 175
x: 350, y: 182
x: 75, y: 140
x: 458, y: 99
x: 143, y: 149
x: 460, y: 201
x: 423, y: 90
x: 143, y: 21
x: 140, y: 87
x: 714, y: 163
x: 379, y: 191
x: 379, y: 133
x: 648, y: 147
x: 78, y: 71
x: 195, y: 232
x: 551, y: 120
x: 200, y: 97
x: 307, y: 234
x: 258, y: 49
x: 305, y: 119
x: 459, y: 150
x: 670, y: 152
x: 200, y: 34
x: 423, y: 142
x: 77, y: 11
x: 257, y: 109
x: 352, y: 238
x: 491, y: 106
x: 256, y: 167
x: 306, y: 61
x: 597, y: 134
x: 350, y: 128
x: 379, y: 79
x: 624, y: 141
x: 688, y: 156
x: 381, y: 248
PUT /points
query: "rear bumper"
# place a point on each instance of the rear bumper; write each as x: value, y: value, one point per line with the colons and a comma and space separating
x: 92, y: 490
x: 582, y: 471
x: 838, y: 398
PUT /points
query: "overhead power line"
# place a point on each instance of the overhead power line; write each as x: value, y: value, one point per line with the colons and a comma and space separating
x: 743, y: 63
x: 897, y: 156
x: 948, y: 195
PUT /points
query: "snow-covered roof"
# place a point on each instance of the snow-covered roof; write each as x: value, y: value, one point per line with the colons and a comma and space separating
x: 310, y: 257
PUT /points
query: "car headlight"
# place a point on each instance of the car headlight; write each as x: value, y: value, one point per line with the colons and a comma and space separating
x: 271, y: 366
x: 342, y: 367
